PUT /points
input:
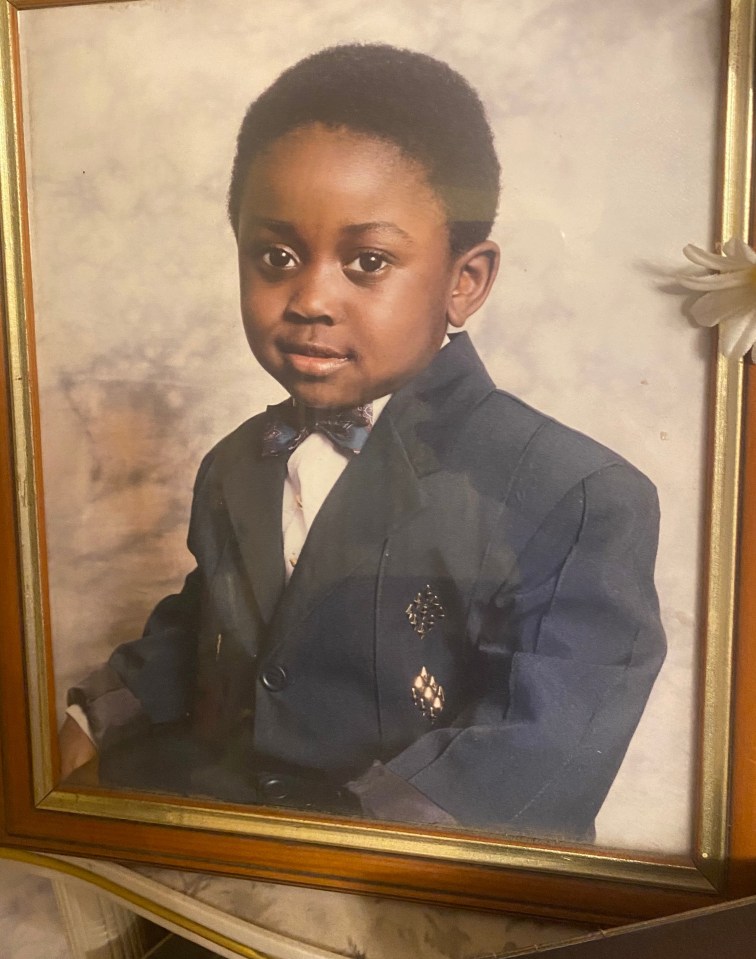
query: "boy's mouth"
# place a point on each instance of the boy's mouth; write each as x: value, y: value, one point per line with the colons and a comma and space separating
x: 315, y: 359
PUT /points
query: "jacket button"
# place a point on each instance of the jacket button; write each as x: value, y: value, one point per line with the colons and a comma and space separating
x: 273, y: 788
x: 274, y: 678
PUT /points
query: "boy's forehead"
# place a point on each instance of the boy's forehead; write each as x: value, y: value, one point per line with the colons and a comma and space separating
x: 343, y: 147
x: 314, y: 167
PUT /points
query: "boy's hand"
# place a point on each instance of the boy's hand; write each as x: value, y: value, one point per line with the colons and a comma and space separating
x: 76, y: 748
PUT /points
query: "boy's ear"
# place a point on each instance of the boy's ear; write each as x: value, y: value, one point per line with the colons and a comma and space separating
x: 474, y: 272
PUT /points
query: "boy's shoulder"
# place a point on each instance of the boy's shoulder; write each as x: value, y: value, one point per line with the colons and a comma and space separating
x: 247, y: 435
x: 539, y: 448
x: 245, y: 441
x: 511, y: 419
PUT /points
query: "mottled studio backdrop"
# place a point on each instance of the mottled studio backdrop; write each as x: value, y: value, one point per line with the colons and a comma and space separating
x: 605, y: 115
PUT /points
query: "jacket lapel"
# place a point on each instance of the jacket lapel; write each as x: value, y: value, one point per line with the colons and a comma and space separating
x: 253, y: 488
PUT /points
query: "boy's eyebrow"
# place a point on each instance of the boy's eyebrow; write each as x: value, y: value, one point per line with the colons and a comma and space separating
x: 276, y: 226
x: 377, y: 225
x: 284, y: 228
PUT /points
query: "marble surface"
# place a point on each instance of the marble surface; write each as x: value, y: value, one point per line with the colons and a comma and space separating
x: 364, y: 927
x: 359, y: 927
x: 604, y: 113
x: 30, y: 927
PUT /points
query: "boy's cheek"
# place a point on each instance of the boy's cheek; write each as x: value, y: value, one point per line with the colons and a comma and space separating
x: 259, y: 345
x: 266, y: 357
x: 255, y: 295
x: 259, y: 317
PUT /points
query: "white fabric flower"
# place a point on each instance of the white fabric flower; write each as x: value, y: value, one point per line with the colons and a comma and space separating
x: 729, y: 295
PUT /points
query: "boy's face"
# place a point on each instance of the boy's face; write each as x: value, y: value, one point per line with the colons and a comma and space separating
x: 344, y: 264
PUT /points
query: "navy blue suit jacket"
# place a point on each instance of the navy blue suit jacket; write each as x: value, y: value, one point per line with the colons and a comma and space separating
x: 539, y: 547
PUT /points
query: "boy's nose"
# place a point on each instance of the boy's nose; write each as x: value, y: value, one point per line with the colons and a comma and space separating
x: 313, y: 296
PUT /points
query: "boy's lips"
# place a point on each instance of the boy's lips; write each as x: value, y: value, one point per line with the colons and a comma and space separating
x: 315, y: 359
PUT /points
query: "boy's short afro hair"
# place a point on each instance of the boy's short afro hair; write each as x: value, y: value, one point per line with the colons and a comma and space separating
x: 410, y: 99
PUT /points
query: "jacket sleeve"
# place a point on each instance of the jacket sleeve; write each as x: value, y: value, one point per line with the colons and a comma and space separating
x: 149, y: 680
x: 567, y: 651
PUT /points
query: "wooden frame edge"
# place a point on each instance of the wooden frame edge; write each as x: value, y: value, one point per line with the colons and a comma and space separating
x: 26, y: 824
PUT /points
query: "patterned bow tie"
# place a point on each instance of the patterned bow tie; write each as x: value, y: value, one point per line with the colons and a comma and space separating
x: 288, y: 426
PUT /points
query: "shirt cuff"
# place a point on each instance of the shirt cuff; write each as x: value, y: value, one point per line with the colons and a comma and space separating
x: 80, y: 718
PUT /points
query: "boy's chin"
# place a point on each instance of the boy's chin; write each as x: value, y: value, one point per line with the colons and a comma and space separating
x: 318, y: 397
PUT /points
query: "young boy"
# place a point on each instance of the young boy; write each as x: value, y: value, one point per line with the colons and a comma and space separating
x: 415, y: 598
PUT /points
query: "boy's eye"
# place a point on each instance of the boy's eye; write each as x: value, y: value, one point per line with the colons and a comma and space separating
x: 368, y: 262
x: 279, y: 258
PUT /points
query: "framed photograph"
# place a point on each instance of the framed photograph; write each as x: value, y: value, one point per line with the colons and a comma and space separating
x: 465, y: 674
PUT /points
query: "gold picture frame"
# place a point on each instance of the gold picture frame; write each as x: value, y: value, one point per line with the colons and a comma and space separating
x: 483, y: 871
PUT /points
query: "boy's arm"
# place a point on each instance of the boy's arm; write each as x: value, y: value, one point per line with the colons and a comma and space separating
x: 145, y: 681
x: 536, y: 750
x: 149, y: 679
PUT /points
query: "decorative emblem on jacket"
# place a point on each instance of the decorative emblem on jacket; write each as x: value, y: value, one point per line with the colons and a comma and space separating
x: 427, y: 694
x: 424, y: 611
